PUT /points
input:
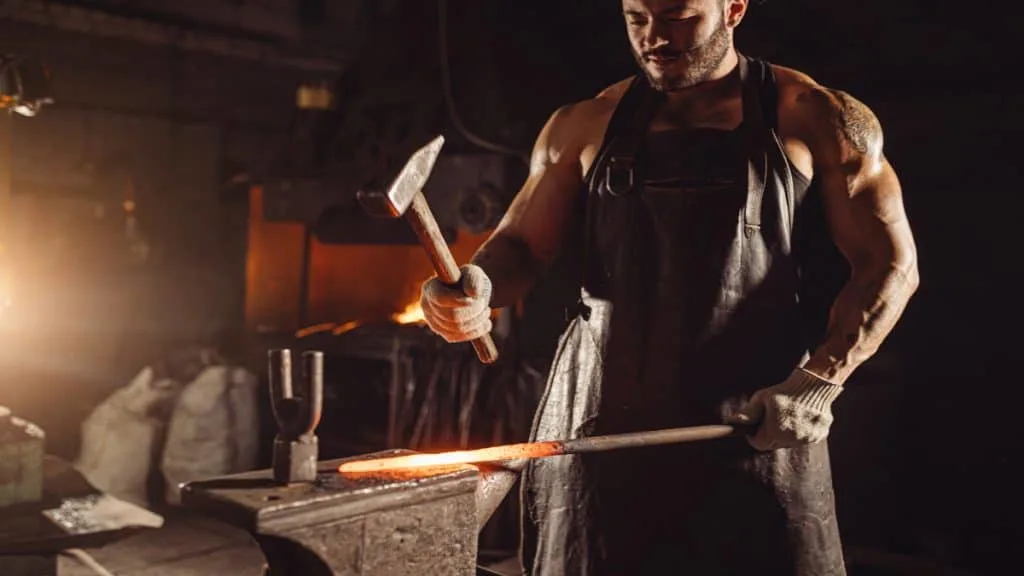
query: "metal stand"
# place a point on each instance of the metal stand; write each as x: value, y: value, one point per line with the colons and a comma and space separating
x: 296, y: 448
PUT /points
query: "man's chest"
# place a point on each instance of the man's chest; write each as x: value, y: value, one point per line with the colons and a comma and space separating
x: 726, y: 117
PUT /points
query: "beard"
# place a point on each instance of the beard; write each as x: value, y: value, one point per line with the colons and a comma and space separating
x: 693, y: 66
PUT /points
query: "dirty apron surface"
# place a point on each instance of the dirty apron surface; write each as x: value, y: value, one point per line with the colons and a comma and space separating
x: 690, y: 301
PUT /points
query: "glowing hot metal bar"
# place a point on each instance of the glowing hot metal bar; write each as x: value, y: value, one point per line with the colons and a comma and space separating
x: 531, y: 450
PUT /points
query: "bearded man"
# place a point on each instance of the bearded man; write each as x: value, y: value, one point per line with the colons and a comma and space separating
x: 713, y: 186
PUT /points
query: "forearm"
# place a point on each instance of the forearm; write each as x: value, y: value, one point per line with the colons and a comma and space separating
x: 511, y: 265
x: 863, y: 315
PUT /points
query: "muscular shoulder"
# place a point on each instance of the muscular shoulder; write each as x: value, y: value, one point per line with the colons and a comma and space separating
x: 596, y: 109
x: 831, y: 122
x: 581, y: 124
x: 615, y: 91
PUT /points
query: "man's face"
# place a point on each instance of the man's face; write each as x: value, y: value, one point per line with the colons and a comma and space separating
x: 678, y: 43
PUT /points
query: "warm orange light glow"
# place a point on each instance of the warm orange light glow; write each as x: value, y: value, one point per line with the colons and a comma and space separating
x: 412, y: 314
x: 351, y: 325
x: 5, y: 292
x: 493, y: 454
x: 344, y: 282
x: 310, y: 330
x: 333, y: 328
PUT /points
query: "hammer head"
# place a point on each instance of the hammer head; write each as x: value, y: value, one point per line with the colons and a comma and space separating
x: 407, y: 184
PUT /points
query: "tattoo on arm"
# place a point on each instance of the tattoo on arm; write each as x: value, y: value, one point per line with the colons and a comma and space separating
x: 856, y: 123
x: 869, y: 221
x: 852, y: 120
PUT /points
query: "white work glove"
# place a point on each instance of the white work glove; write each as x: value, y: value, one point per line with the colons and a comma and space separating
x: 458, y: 314
x: 795, y: 412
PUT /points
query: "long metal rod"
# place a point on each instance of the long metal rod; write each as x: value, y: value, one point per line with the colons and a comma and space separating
x: 533, y: 450
x: 499, y: 478
x: 648, y: 438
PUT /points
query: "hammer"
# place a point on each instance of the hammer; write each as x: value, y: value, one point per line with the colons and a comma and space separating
x: 405, y: 198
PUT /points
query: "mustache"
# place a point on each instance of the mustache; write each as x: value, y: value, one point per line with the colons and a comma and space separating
x: 662, y: 53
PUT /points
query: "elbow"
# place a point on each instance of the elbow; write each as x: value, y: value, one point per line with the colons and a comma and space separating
x: 906, y: 269
x: 896, y: 274
x: 913, y: 279
x: 902, y: 264
x: 908, y: 265
x: 913, y: 276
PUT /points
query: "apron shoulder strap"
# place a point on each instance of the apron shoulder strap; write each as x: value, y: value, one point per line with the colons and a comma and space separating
x: 760, y: 119
x: 760, y: 94
x: 620, y: 137
x: 614, y: 168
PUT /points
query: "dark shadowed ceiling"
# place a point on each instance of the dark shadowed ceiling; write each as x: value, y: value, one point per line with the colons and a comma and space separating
x: 881, y: 49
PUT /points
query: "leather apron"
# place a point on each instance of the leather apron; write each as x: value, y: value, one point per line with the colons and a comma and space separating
x: 690, y: 301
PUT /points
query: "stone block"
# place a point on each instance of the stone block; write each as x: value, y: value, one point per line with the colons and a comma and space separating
x: 21, y: 460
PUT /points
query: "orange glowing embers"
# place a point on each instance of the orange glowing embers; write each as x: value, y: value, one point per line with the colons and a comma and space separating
x: 412, y: 314
x: 336, y: 329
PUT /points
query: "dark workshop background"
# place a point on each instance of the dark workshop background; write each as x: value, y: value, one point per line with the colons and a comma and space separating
x: 183, y: 106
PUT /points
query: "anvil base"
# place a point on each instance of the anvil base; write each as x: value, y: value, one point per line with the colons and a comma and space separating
x: 337, y: 526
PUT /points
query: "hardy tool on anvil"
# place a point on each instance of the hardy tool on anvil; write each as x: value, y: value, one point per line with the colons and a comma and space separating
x: 405, y: 198
x: 543, y: 449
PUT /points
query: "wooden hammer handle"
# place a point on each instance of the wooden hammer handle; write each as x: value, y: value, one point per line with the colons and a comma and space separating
x: 425, y: 226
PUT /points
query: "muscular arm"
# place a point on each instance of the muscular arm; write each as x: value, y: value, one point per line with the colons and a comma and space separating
x: 529, y: 235
x: 864, y: 206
